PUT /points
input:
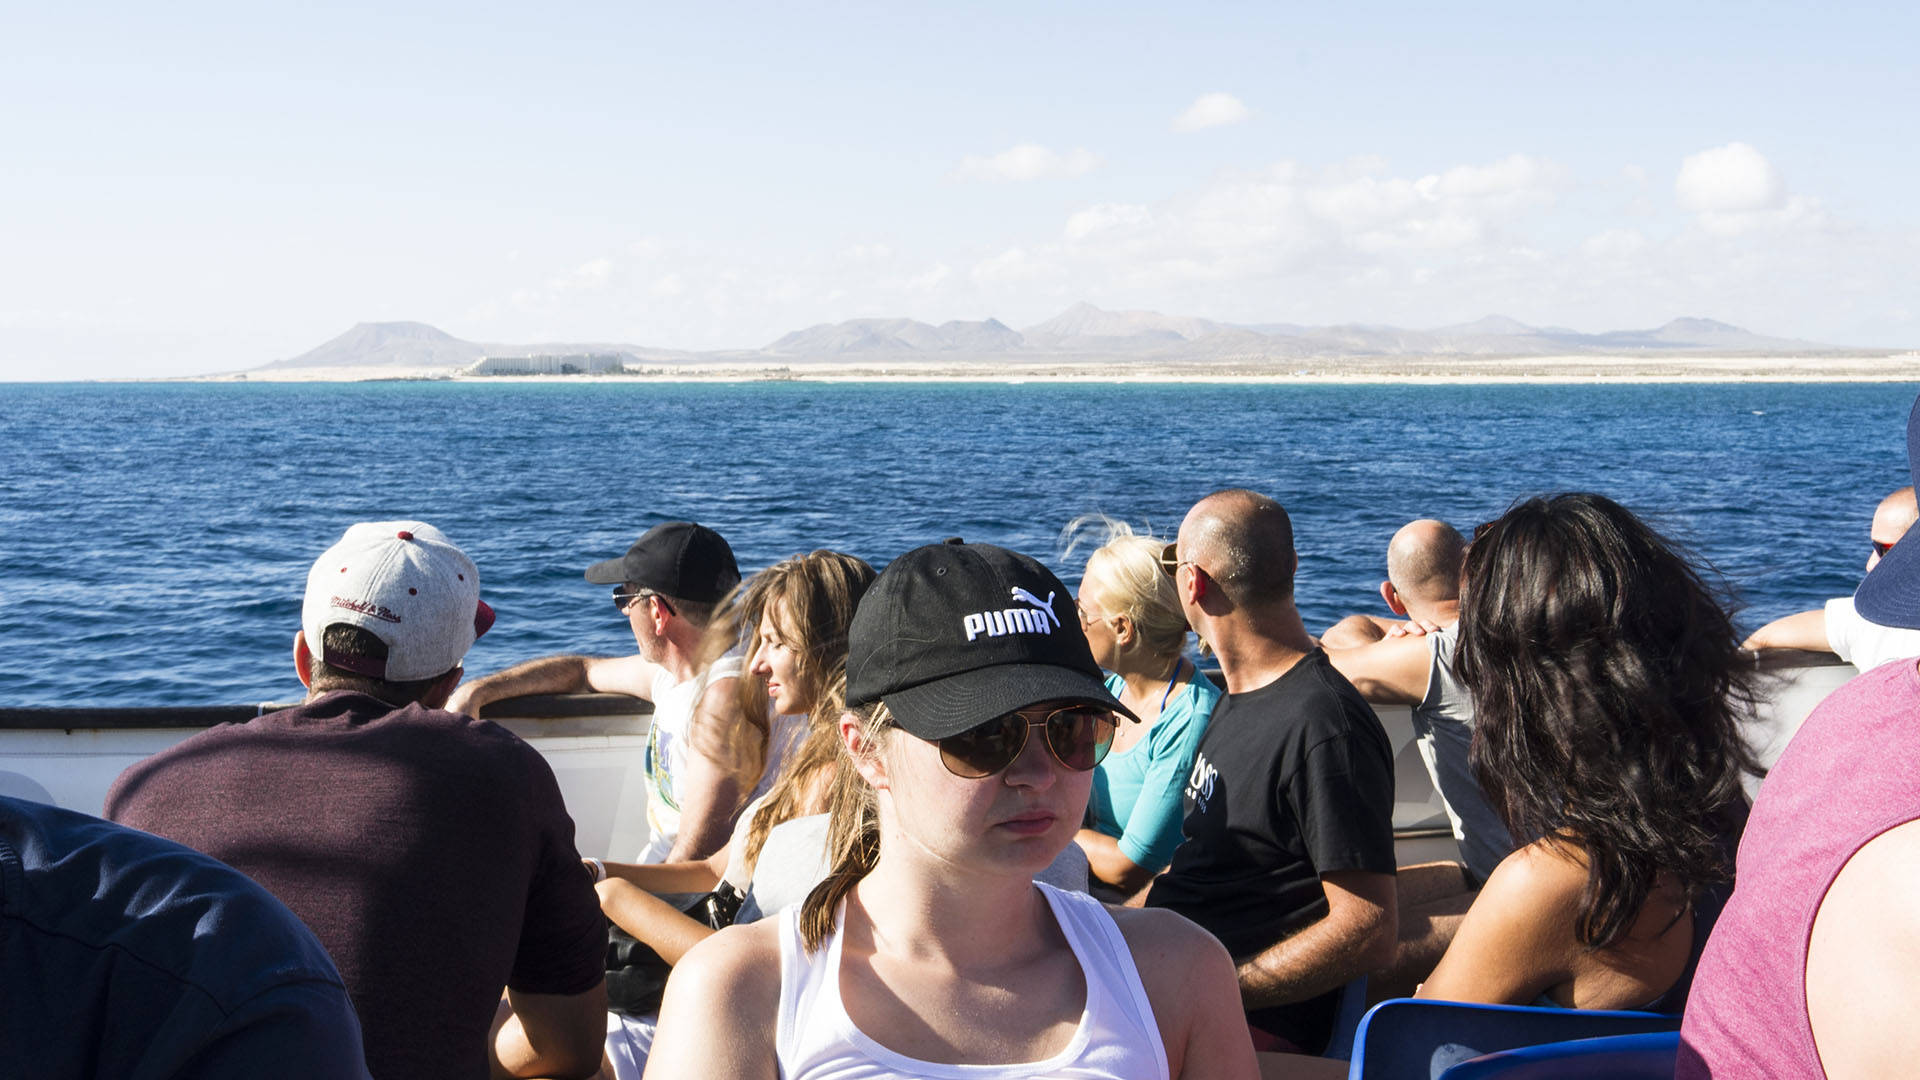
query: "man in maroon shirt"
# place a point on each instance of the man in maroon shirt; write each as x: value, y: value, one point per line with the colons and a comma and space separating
x: 429, y: 852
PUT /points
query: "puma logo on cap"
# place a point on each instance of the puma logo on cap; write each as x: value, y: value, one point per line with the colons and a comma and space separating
x: 1035, y: 619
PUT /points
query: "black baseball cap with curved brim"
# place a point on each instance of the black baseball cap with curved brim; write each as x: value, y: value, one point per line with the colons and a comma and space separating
x: 1890, y: 595
x: 952, y: 635
x: 678, y: 559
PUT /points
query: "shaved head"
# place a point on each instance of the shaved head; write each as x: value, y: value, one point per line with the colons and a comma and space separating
x: 1244, y: 541
x: 1894, y: 516
x: 1423, y: 561
x: 1891, y: 520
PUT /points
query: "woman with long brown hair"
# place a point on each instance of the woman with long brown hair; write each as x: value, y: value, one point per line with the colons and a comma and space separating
x: 1608, y: 692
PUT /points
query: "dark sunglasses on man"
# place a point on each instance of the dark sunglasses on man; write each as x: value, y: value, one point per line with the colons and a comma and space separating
x: 624, y: 599
x: 1171, y: 562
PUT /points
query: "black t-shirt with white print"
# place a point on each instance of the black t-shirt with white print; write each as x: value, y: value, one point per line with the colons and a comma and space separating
x: 1291, y: 781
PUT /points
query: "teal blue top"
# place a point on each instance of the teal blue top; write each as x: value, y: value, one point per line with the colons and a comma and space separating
x: 1137, y: 792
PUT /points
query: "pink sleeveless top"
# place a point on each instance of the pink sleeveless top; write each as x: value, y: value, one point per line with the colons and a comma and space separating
x: 1851, y: 773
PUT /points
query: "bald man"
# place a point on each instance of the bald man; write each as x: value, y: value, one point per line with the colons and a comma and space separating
x: 1288, y: 854
x: 1839, y: 629
x: 1402, y: 663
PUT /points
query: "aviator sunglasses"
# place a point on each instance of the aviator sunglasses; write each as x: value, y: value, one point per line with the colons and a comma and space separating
x: 622, y: 599
x: 1078, y: 737
x: 1171, y: 562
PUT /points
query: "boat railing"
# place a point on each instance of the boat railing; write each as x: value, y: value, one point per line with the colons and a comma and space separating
x: 597, y: 746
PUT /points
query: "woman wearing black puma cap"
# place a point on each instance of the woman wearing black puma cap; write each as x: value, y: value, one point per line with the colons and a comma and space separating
x: 977, y: 715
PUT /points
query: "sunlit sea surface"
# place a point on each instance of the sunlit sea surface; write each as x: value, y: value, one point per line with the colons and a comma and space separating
x: 154, y: 539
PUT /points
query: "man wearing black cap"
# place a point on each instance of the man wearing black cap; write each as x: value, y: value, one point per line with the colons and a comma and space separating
x: 667, y: 585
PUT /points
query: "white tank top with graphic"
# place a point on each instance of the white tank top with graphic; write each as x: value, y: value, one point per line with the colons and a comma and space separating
x: 1117, y: 1039
x: 666, y: 764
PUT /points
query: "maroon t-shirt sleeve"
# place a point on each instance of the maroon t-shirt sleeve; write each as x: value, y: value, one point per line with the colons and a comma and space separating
x: 563, y: 938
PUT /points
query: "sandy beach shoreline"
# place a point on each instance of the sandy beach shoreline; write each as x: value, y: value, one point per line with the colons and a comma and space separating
x: 1891, y: 367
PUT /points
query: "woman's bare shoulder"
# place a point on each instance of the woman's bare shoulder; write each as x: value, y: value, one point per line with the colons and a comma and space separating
x: 1546, y: 875
x: 1159, y: 930
x: 1170, y: 952
x: 721, y: 1007
x: 741, y: 962
x: 1190, y: 983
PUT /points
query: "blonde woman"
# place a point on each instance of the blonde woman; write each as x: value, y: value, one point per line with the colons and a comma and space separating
x: 929, y: 950
x: 1137, y: 632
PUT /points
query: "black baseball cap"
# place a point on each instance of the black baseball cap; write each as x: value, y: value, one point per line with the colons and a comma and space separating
x: 952, y: 635
x: 1890, y: 594
x: 678, y: 559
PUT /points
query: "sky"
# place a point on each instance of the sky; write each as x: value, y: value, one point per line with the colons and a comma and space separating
x: 198, y: 187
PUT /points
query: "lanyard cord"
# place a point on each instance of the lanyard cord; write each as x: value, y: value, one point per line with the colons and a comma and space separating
x: 1178, y: 661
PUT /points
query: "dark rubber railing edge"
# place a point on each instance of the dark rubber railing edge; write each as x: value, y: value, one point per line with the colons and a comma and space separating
x: 534, y: 707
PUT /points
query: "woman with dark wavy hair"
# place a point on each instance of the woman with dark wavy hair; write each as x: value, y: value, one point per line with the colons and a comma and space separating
x: 1608, y: 693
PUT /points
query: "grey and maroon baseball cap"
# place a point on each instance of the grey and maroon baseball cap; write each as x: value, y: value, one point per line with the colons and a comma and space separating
x: 405, y: 583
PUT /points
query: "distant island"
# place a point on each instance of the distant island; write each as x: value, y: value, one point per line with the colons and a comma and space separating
x: 1086, y: 342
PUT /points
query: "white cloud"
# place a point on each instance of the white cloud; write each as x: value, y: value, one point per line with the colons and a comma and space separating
x: 1287, y: 218
x: 1733, y: 190
x: 1354, y: 240
x: 1798, y: 212
x: 1107, y: 217
x: 1028, y: 161
x: 1211, y: 111
x: 1730, y: 179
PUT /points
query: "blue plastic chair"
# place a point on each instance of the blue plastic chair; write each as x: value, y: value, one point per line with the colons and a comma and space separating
x: 1649, y: 1056
x: 1407, y: 1039
x: 1346, y: 1022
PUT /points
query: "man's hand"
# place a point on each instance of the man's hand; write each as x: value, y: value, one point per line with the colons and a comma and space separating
x: 465, y: 700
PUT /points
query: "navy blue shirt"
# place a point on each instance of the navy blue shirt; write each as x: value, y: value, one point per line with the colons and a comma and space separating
x: 123, y: 955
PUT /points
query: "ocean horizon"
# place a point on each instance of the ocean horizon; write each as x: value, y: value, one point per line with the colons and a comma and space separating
x: 154, y: 537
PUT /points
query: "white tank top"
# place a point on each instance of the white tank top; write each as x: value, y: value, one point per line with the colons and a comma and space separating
x: 666, y: 762
x: 1117, y: 1039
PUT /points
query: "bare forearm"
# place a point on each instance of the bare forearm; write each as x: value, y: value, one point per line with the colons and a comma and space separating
x: 667, y: 930
x: 1321, y: 957
x: 1106, y: 861
x: 676, y: 877
x: 1806, y: 630
x: 547, y: 675
x: 566, y: 1042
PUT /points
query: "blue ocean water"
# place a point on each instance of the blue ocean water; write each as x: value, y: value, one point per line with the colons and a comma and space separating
x: 154, y: 538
